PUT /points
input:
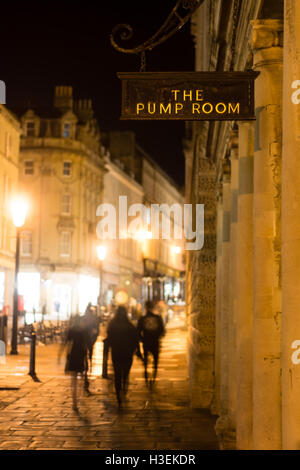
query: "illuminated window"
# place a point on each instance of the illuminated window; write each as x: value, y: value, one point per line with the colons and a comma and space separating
x: 88, y: 291
x: 65, y: 244
x: 29, y: 288
x: 66, y: 204
x: 67, y: 168
x: 2, y: 289
x: 30, y: 129
x: 67, y: 130
x: 28, y: 167
x: 26, y: 243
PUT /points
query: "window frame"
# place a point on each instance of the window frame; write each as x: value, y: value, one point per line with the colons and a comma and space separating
x: 63, y: 253
x: 30, y: 121
x: 63, y: 205
x: 66, y: 123
x: 22, y: 252
x: 64, y: 168
x: 29, y: 174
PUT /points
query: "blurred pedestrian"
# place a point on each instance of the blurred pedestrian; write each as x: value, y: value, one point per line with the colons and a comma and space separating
x: 91, y: 324
x: 150, y: 330
x: 109, y: 313
x: 3, y: 326
x: 76, y: 342
x: 105, y: 358
x: 122, y: 338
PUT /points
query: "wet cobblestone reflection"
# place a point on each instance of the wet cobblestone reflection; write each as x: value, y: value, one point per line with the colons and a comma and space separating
x: 40, y: 415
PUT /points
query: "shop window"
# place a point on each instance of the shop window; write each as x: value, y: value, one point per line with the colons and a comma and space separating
x: 29, y: 288
x: 2, y: 289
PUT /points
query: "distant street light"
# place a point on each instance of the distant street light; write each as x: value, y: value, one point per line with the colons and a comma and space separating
x: 19, y: 210
x: 101, y: 252
x: 143, y: 235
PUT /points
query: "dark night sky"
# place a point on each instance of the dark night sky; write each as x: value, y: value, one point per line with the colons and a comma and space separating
x: 44, y: 44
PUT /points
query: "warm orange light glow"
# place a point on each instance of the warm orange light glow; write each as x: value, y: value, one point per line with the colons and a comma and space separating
x: 177, y: 250
x: 142, y: 235
x: 19, y: 209
x: 101, y: 252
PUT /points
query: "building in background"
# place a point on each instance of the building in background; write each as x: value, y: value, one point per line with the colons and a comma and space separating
x: 66, y: 170
x: 163, y: 259
x: 9, y: 170
x: 62, y: 173
x: 123, y: 266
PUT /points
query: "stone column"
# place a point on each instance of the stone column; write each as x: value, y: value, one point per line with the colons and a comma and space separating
x: 267, y: 47
x: 291, y: 229
x: 223, y: 425
x: 216, y: 405
x: 233, y: 277
x: 244, y: 248
x: 203, y: 285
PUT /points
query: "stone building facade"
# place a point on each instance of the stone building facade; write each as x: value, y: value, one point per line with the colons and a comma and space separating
x: 67, y: 169
x: 62, y: 172
x: 9, y: 165
x: 123, y: 267
x: 243, y: 287
x: 163, y: 259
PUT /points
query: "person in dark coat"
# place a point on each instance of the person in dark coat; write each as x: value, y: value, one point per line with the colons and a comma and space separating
x: 92, y: 326
x: 122, y: 338
x: 76, y: 342
x: 150, y: 330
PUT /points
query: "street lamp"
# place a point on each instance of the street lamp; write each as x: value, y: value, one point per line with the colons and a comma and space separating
x: 101, y: 252
x: 19, y: 209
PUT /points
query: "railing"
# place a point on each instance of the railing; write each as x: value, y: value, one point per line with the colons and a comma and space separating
x: 47, y: 332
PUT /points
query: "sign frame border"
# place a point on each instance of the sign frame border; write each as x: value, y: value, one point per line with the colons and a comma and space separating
x: 248, y: 76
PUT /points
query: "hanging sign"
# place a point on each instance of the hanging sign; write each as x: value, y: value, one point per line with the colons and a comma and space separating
x: 188, y: 96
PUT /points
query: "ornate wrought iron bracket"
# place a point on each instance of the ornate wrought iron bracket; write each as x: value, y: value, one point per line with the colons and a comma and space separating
x: 180, y: 14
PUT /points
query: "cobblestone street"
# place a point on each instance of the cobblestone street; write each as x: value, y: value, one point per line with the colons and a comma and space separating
x: 40, y: 416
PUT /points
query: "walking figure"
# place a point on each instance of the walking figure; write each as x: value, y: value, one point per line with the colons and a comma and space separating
x: 91, y: 324
x: 150, y: 330
x: 106, y: 348
x: 122, y: 338
x: 76, y: 343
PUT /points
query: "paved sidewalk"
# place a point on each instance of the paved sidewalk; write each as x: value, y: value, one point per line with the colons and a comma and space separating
x: 40, y: 415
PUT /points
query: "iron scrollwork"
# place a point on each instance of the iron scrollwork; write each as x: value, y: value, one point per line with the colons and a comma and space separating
x: 180, y: 14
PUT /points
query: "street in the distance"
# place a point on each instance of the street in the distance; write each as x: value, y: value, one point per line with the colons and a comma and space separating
x: 40, y: 415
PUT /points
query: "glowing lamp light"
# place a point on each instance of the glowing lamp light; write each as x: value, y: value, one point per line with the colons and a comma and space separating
x: 177, y: 250
x: 101, y: 252
x: 144, y: 235
x: 19, y: 208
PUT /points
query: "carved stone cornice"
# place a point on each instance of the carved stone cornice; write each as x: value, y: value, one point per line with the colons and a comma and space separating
x: 266, y: 34
x: 234, y: 144
x: 226, y: 170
